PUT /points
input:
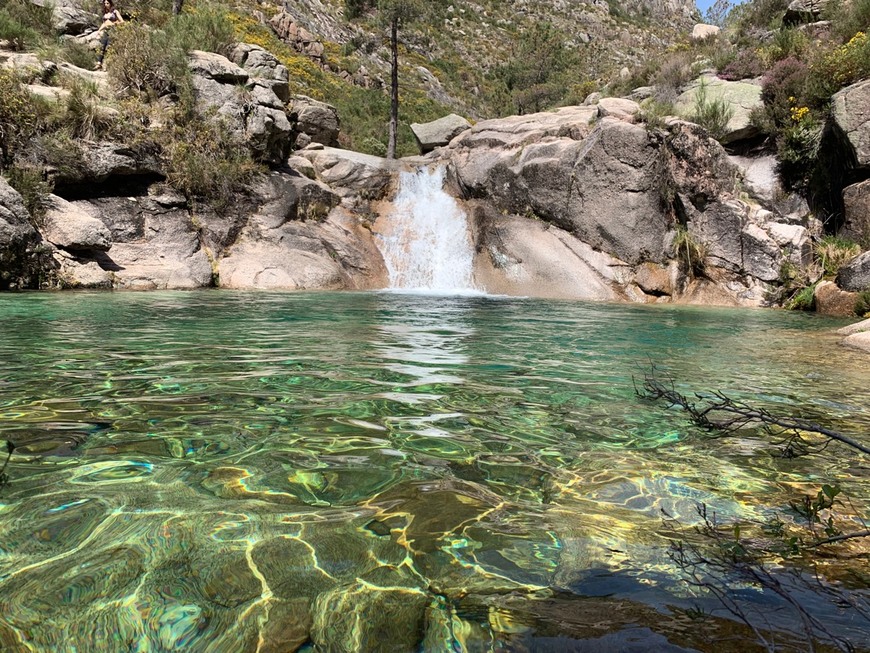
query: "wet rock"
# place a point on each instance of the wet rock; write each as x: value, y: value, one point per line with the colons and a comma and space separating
x: 858, y: 341
x: 527, y: 257
x: 365, y: 618
x: 438, y: 132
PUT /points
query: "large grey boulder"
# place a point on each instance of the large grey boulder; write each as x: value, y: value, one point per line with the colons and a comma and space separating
x: 855, y: 275
x: 74, y: 229
x: 702, y: 31
x: 155, y: 244
x: 856, y: 225
x: 439, y: 132
x: 529, y: 257
x: 68, y: 17
x: 314, y: 121
x: 250, y: 106
x: 351, y: 174
x: 851, y: 109
x: 28, y: 66
x: 620, y: 108
x: 602, y: 188
x: 741, y: 97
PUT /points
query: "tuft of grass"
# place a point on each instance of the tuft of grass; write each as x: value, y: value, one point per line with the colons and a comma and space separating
x: 691, y: 253
x: 712, y: 115
x: 833, y: 252
x: 802, y: 300
x: 862, y: 304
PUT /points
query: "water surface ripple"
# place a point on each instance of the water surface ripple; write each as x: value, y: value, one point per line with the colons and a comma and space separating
x: 220, y: 471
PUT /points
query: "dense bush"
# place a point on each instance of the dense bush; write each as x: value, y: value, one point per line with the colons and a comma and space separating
x: 744, y: 65
x: 207, y: 160
x: 24, y: 24
x: 833, y: 252
x: 20, y: 116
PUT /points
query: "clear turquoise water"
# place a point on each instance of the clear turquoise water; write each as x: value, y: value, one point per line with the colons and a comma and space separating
x: 219, y: 471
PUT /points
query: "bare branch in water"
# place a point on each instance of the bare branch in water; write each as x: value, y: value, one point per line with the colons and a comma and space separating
x: 718, y: 412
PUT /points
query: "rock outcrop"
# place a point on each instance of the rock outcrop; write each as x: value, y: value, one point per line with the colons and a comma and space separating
x: 313, y: 122
x: 851, y: 111
x: 439, y: 132
x: 855, y: 275
x: 248, y: 104
x: 856, y: 205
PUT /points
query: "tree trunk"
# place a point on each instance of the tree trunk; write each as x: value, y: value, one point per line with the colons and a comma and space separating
x: 176, y: 7
x: 394, y: 88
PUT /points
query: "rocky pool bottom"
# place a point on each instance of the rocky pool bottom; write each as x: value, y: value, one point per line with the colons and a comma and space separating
x: 228, y: 471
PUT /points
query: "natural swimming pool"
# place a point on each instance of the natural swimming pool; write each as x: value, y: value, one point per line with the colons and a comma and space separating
x: 230, y: 471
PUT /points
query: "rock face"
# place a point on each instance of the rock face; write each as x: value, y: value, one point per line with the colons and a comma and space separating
x: 855, y: 275
x: 264, y: 66
x: 804, y: 11
x: 249, y: 105
x: 439, y: 132
x: 742, y: 97
x: 620, y: 191
x: 20, y: 264
x: 856, y: 201
x: 851, y: 109
x: 619, y: 108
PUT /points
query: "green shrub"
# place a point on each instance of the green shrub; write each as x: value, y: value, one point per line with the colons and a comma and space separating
x: 24, y: 24
x: 744, y: 65
x: 140, y: 61
x: 207, y: 28
x: 833, y: 252
x: 802, y: 300
x: 19, y: 116
x: 208, y: 161
x: 34, y: 190
x: 712, y: 115
x: 862, y: 304
x: 847, y: 17
x: 78, y: 54
x: 654, y: 111
x: 84, y: 117
x: 20, y: 37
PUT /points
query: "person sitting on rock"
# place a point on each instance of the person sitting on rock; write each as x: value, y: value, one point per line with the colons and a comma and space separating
x: 111, y: 17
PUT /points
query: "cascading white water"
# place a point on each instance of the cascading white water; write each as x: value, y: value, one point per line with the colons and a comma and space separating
x: 425, y: 240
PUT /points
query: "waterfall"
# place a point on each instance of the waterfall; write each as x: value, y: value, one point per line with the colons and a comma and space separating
x: 425, y: 239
